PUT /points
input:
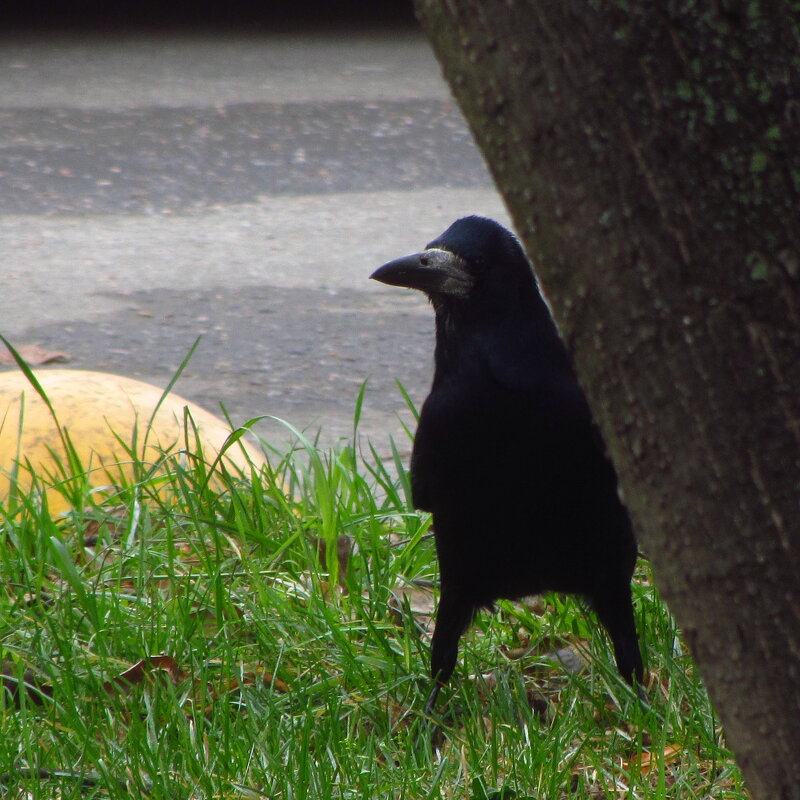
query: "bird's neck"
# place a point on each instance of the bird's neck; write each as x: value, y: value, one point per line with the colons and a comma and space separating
x: 464, y: 339
x: 470, y: 342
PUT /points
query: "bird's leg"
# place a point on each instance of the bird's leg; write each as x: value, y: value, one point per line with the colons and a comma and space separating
x: 431, y: 701
x: 452, y: 619
x: 616, y: 613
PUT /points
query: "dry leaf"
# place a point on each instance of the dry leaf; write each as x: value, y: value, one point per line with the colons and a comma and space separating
x: 535, y: 603
x: 141, y: 669
x: 344, y: 548
x: 250, y: 678
x: 537, y: 702
x: 514, y: 653
x: 420, y: 600
x: 35, y: 688
x: 34, y: 355
x: 114, y: 521
x: 648, y: 761
x: 264, y: 678
x: 569, y: 658
x: 90, y: 533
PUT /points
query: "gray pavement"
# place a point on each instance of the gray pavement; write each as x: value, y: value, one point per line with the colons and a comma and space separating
x: 242, y: 188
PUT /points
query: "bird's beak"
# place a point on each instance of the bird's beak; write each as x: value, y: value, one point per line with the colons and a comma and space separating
x: 435, y: 272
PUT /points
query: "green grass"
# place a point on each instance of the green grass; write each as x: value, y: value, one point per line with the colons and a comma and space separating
x: 291, y: 673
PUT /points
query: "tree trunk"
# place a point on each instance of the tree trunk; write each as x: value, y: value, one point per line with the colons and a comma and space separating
x: 650, y: 159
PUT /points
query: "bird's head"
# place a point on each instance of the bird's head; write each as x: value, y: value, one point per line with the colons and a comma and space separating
x: 474, y: 259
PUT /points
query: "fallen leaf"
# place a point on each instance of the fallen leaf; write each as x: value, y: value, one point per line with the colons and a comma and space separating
x: 249, y: 678
x: 535, y: 603
x: 650, y: 760
x: 537, y: 702
x: 141, y: 669
x: 569, y: 658
x: 35, y: 689
x: 419, y: 599
x: 263, y: 678
x: 114, y: 521
x: 344, y: 548
x: 34, y: 355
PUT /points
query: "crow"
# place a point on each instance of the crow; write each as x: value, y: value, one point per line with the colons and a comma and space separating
x: 506, y: 456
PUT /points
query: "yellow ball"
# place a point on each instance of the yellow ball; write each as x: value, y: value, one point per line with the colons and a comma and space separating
x: 98, y: 410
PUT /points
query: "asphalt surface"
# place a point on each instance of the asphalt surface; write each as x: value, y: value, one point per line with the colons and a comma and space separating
x: 240, y: 188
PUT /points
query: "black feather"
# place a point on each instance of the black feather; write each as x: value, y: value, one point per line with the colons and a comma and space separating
x: 506, y: 454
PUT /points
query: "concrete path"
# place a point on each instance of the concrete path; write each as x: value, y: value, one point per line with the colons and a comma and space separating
x: 154, y: 189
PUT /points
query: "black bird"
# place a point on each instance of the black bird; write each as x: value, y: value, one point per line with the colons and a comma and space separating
x: 506, y: 455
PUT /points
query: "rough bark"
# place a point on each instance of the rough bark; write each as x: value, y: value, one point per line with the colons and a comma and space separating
x: 649, y: 155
